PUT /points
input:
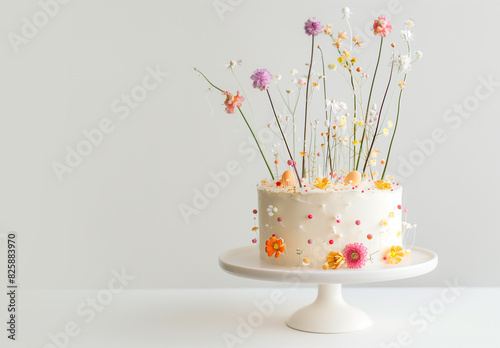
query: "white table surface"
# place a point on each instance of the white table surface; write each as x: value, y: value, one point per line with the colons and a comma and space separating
x: 201, y: 318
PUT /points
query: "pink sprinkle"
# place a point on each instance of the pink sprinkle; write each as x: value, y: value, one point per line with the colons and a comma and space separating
x: 358, y: 222
x: 280, y: 219
x: 330, y: 241
x: 363, y: 191
x: 399, y: 206
x: 290, y: 163
x: 369, y: 236
x: 405, y: 210
x: 310, y: 241
x: 338, y: 221
x: 385, y: 257
x: 309, y: 216
x: 254, y: 240
x: 319, y: 154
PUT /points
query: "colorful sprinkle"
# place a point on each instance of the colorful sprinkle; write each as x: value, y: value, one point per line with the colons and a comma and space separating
x: 405, y: 211
x: 369, y: 236
x: 309, y: 216
x: 280, y: 219
x: 278, y: 183
x: 254, y: 240
x: 330, y: 241
x: 310, y: 241
x: 255, y: 211
x: 399, y: 206
x: 358, y: 222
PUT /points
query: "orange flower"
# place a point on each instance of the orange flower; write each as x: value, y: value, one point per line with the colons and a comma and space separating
x: 274, y: 246
x: 337, y: 43
x: 232, y: 102
x: 322, y: 183
x: 395, y: 254
x: 356, y: 41
x: 342, y: 35
x: 335, y: 259
x: 382, y: 185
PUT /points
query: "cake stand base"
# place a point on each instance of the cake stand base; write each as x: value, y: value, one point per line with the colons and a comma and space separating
x: 329, y: 313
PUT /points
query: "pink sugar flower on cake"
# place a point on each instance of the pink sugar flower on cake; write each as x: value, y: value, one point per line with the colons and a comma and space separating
x: 313, y: 27
x: 232, y: 101
x: 355, y: 255
x: 261, y: 78
x: 382, y: 26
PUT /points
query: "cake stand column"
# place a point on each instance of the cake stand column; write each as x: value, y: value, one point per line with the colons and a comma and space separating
x: 329, y: 313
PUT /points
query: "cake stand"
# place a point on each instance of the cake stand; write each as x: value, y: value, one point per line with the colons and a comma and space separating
x: 329, y: 313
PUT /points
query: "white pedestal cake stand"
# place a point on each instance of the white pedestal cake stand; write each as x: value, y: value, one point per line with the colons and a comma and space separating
x: 329, y: 313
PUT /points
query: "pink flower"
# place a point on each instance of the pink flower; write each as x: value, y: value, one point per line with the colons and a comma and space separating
x: 355, y: 255
x: 261, y: 78
x: 232, y: 102
x: 313, y: 27
x: 382, y: 26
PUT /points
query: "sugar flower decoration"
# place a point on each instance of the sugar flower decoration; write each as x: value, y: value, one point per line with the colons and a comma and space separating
x: 346, y: 11
x: 382, y: 26
x: 355, y: 255
x: 322, y: 183
x: 313, y: 27
x: 271, y: 210
x: 335, y: 259
x: 261, y: 78
x: 232, y: 101
x: 395, y: 254
x: 382, y: 185
x: 274, y: 247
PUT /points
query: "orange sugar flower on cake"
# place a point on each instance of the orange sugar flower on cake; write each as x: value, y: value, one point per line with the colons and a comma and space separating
x: 274, y: 247
x: 395, y: 254
x: 322, y: 183
x: 334, y: 259
x: 382, y: 185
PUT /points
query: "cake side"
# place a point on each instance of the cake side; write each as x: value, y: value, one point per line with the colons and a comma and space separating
x: 308, y: 226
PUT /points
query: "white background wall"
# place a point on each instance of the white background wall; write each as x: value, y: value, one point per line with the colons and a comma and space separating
x: 119, y: 208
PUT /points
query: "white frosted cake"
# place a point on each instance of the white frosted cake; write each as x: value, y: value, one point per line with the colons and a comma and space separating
x: 330, y: 225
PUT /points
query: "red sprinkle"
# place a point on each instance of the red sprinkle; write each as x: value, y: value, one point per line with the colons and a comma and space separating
x: 385, y: 257
x: 280, y: 219
x: 330, y: 241
x: 358, y: 222
x: 310, y: 241
x: 255, y: 211
x: 254, y: 240
x: 278, y: 183
x: 399, y: 206
x: 273, y: 235
x: 309, y: 216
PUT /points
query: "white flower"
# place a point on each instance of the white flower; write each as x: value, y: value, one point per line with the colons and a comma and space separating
x: 346, y: 11
x: 419, y: 54
x: 409, y: 23
x: 407, y: 34
x: 277, y: 77
x: 294, y: 72
x: 402, y: 62
x: 336, y: 107
x: 327, y: 123
x: 271, y: 210
x: 234, y: 63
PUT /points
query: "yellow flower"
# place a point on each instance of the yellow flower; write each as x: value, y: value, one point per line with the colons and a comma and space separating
x: 302, y: 153
x: 325, y: 266
x: 374, y: 162
x: 401, y: 84
x: 391, y: 214
x: 332, y: 66
x: 399, y: 234
x: 335, y: 259
x: 347, y: 54
x: 255, y: 228
x: 389, y: 124
x: 354, y: 60
x: 407, y: 253
x: 384, y: 222
x: 382, y: 185
x: 341, y: 59
x: 395, y: 254
x: 306, y: 261
x: 322, y: 183
x: 356, y: 142
x: 385, y: 131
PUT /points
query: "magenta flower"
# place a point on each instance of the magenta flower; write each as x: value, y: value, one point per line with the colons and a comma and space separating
x: 355, y: 255
x: 313, y: 27
x: 261, y: 78
x: 382, y: 26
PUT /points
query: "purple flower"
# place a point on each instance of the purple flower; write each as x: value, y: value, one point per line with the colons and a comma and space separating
x: 313, y: 27
x: 261, y: 78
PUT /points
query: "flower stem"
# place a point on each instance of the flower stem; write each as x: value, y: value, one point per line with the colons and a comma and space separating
x: 368, y: 105
x: 394, y: 132
x: 307, y: 102
x: 248, y: 125
x: 328, y: 155
x: 378, y: 121
x: 284, y: 138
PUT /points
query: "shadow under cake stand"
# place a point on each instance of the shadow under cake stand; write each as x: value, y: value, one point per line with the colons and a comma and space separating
x: 329, y: 313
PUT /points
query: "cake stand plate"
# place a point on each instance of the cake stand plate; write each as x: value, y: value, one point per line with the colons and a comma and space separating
x: 329, y: 313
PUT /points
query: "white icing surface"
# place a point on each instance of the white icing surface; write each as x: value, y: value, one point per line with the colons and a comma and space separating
x: 370, y: 207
